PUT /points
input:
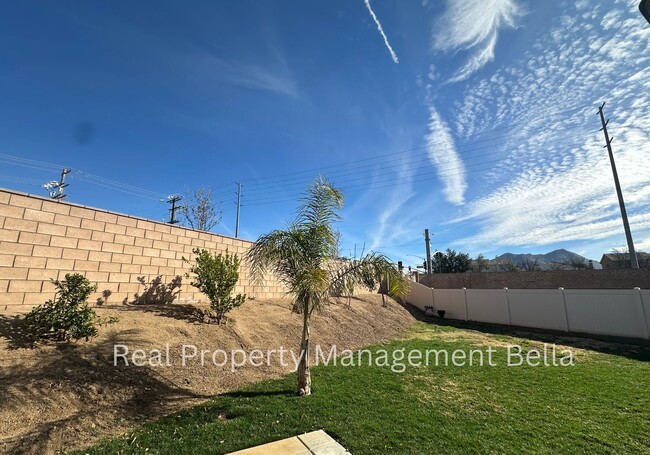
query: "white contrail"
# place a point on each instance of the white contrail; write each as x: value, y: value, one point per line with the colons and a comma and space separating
x: 381, y: 30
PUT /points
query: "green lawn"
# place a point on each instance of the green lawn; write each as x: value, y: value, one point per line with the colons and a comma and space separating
x: 600, y: 405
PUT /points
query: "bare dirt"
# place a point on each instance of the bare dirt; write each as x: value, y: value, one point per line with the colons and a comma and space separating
x: 66, y: 396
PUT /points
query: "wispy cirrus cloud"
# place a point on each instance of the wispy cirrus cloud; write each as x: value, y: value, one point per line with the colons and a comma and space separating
x: 393, y: 55
x: 555, y: 184
x: 444, y: 156
x: 474, y: 25
x: 273, y: 78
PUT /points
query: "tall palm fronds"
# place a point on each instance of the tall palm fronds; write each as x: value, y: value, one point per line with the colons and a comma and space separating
x: 304, y: 257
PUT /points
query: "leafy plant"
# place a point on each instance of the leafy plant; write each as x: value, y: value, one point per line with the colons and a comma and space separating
x: 216, y: 276
x: 68, y: 316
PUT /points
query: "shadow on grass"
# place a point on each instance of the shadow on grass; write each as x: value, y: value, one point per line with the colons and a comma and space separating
x: 631, y: 348
x: 80, y: 393
x: 255, y: 394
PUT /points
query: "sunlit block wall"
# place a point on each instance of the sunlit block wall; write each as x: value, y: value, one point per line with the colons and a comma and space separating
x: 615, y: 312
x: 41, y: 239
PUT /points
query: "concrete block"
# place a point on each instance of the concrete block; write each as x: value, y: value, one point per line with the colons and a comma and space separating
x: 25, y: 286
x: 106, y: 217
x: 100, y: 256
x: 25, y: 201
x: 66, y: 220
x: 38, y: 215
x: 52, y: 229
x: 13, y: 273
x: 115, y: 229
x: 47, y: 251
x: 112, y: 247
x: 69, y: 253
x: 64, y: 242
x: 81, y: 212
x: 78, y: 233
x: 93, y: 225
x: 90, y: 245
x: 86, y: 266
x: 15, y: 224
x: 30, y: 262
x: 56, y: 207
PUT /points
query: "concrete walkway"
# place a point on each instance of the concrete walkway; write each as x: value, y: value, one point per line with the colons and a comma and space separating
x: 314, y: 443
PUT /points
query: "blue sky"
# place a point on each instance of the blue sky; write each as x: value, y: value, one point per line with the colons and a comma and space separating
x: 476, y: 119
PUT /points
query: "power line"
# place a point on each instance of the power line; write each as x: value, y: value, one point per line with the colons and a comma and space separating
x: 413, y: 164
x: 429, y: 175
x: 379, y: 157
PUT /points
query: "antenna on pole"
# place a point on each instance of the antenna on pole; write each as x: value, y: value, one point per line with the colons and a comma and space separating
x: 239, y: 185
x: 56, y: 188
x: 628, y: 234
x: 173, y: 199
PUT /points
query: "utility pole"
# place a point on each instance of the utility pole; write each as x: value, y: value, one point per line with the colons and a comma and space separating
x: 173, y: 199
x: 628, y: 234
x: 238, y: 208
x: 56, y: 188
x: 428, y: 247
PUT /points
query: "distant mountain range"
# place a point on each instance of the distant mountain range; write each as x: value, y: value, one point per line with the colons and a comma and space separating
x: 546, y: 261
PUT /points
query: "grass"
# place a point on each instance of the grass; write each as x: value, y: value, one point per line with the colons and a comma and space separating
x: 599, y: 405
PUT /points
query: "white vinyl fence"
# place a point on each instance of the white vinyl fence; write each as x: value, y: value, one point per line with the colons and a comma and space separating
x: 617, y: 312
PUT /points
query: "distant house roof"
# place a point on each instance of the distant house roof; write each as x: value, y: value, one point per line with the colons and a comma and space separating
x: 616, y: 257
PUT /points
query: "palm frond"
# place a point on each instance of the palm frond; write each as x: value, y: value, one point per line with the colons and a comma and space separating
x: 278, y: 252
x: 320, y: 206
x: 368, y: 271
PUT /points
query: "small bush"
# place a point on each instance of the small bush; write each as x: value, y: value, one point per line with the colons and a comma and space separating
x: 216, y: 276
x: 68, y: 316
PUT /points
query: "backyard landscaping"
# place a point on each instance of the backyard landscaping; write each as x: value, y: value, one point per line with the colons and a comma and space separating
x: 599, y: 405
x: 64, y: 396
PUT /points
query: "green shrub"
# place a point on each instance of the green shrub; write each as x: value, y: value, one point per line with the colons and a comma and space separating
x: 68, y: 316
x: 216, y: 276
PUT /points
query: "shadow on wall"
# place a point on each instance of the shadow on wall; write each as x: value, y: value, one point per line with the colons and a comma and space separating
x: 157, y: 292
x: 158, y: 297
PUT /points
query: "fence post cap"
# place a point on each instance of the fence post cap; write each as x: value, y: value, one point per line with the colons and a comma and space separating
x: 637, y: 289
x: 463, y: 288
x: 561, y: 289
x: 505, y: 289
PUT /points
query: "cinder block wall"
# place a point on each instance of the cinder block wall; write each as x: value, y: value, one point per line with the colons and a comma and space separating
x: 41, y: 239
x: 552, y: 279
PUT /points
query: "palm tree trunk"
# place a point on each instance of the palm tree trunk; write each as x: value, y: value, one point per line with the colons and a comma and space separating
x: 304, y: 375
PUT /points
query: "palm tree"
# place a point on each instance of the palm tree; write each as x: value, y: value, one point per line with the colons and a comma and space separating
x: 304, y: 257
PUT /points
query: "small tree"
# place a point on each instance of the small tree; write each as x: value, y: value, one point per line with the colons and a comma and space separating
x: 451, y: 262
x: 216, y: 276
x: 200, y: 211
x: 510, y: 267
x: 482, y: 263
x: 68, y: 316
x: 304, y: 258
x: 578, y: 264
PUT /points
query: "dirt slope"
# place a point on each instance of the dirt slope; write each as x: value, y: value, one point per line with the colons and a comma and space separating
x: 56, y: 397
